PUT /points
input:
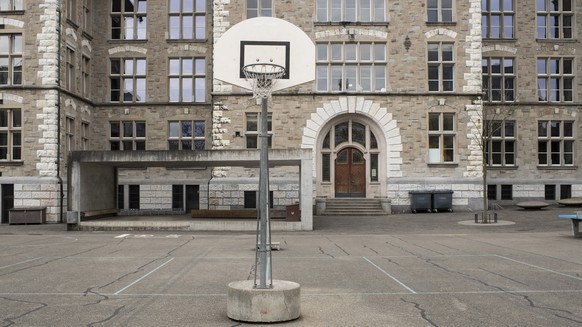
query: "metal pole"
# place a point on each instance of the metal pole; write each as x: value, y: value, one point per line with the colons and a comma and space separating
x: 264, y: 246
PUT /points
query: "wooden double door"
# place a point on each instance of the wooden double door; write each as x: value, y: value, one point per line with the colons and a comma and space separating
x: 350, y: 173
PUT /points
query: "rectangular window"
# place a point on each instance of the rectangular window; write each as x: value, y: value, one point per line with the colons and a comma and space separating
x: 363, y: 11
x: 10, y: 134
x: 492, y: 192
x: 11, y: 5
x: 326, y: 167
x: 70, y: 134
x: 253, y: 129
x: 251, y: 199
x: 120, y: 196
x: 555, y: 19
x: 86, y: 76
x: 549, y: 192
x: 501, y: 140
x: 10, y: 59
x: 187, y: 20
x: 128, y: 20
x: 373, y: 167
x: 497, y: 19
x: 87, y: 16
x: 259, y: 8
x: 565, y: 191
x: 127, y: 135
x: 441, y: 64
x: 441, y: 137
x: 555, y: 79
x: 506, y: 192
x: 351, y: 67
x: 178, y: 197
x: 72, y: 10
x: 85, y: 136
x: 127, y: 80
x: 133, y: 197
x: 186, y: 135
x: 498, y: 79
x: 555, y: 143
x: 70, y: 70
x: 439, y: 11
x: 187, y: 79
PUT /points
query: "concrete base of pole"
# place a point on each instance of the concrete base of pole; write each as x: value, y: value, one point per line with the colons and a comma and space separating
x: 280, y: 303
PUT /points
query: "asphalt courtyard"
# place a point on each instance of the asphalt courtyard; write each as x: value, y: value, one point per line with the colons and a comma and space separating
x: 398, y: 270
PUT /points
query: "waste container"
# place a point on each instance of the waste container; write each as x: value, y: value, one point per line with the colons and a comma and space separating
x: 442, y: 200
x: 420, y: 200
x: 293, y: 213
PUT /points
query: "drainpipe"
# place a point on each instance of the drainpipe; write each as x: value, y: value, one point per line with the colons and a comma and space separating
x: 60, y: 180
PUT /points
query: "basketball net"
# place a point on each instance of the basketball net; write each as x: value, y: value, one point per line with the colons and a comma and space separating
x: 262, y: 77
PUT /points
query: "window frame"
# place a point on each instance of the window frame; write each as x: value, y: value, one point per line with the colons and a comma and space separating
x: 14, y: 137
x: 440, y: 10
x: 489, y: 75
x: 194, y: 138
x: 198, y: 17
x: 132, y: 24
x: 487, y: 14
x: 197, y: 77
x: 443, y: 136
x: 441, y: 64
x: 11, y: 57
x: 547, y: 30
x: 547, y: 158
x: 122, y: 140
x: 86, y: 75
x: 350, y: 11
x: 134, y: 76
x: 548, y: 76
x: 254, y: 135
x: 14, y: 5
x: 69, y: 134
x: 260, y: 10
x: 503, y: 140
x: 70, y: 67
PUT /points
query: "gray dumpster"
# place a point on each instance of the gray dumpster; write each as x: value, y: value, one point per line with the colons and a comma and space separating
x: 442, y: 200
x: 420, y: 200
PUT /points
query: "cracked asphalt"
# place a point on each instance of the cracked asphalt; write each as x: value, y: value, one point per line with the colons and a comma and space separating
x: 400, y: 270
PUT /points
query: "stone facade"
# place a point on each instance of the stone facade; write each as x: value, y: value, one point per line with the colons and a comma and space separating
x: 397, y: 115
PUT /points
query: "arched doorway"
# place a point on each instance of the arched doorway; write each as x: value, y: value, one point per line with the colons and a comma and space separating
x: 350, y: 173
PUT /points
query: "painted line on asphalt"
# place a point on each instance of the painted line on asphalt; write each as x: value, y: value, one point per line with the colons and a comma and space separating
x: 392, y: 277
x: 142, y: 277
x: 538, y: 267
x: 122, y: 236
x: 21, y: 262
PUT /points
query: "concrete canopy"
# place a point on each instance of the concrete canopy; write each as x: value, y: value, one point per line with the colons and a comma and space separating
x: 93, y: 174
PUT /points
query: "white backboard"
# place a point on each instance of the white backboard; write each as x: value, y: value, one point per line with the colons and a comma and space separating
x: 265, y: 40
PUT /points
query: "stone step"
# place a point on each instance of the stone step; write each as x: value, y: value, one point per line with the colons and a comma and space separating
x: 353, y: 207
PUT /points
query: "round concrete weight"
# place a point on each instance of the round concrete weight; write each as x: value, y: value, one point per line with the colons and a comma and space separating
x: 280, y: 303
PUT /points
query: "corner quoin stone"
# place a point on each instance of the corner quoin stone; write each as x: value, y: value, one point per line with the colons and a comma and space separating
x: 279, y: 303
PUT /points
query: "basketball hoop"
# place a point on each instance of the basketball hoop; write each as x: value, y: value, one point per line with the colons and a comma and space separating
x: 262, y: 77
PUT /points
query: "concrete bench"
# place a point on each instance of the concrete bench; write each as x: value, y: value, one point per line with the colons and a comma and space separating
x: 235, y: 214
x: 575, y: 219
x: 571, y: 202
x: 99, y: 213
x: 532, y: 205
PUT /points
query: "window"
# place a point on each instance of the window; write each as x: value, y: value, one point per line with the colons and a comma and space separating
x: 187, y: 20
x: 128, y: 19
x: 11, y: 5
x: 262, y: 8
x: 549, y: 192
x: 178, y: 197
x: 441, y: 64
x: 70, y: 70
x: 497, y: 19
x: 133, y: 197
x: 555, y: 19
x: 127, y: 135
x: 253, y: 130
x: 85, y: 136
x: 10, y: 59
x: 72, y: 10
x: 251, y: 199
x: 498, y: 79
x: 555, y: 79
x: 351, y: 67
x: 128, y: 80
x: 439, y: 11
x: 506, y: 192
x: 87, y: 21
x: 555, y: 143
x: 501, y: 140
x: 10, y: 134
x: 120, y: 197
x: 441, y: 137
x: 70, y: 134
x: 186, y: 135
x: 350, y: 11
x: 187, y: 79
x: 565, y: 191
x: 86, y: 76
x: 491, y: 192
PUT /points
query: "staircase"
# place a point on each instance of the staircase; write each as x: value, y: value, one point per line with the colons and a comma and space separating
x: 353, y: 207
